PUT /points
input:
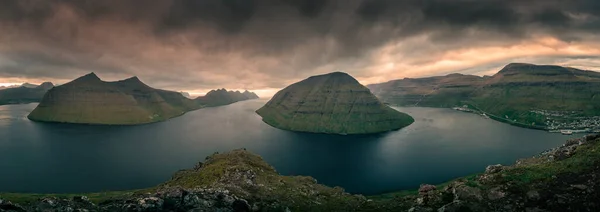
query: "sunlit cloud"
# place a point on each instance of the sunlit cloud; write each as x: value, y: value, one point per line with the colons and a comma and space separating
x: 196, y: 46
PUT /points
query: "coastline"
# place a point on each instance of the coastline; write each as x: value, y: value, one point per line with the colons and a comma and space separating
x: 575, y: 156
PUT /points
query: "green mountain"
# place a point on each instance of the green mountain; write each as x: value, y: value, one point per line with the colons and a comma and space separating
x: 27, y: 93
x: 223, y: 97
x: 333, y: 103
x: 89, y: 100
x: 566, y: 178
x: 540, y: 96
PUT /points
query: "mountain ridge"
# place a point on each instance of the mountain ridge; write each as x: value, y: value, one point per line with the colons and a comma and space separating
x: 90, y: 100
x: 519, y: 93
x: 24, y: 94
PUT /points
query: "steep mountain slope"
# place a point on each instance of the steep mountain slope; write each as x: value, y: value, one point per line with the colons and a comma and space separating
x: 519, y: 90
x: 23, y: 94
x: 332, y: 103
x: 89, y: 100
x: 223, y: 97
x: 442, y: 91
x: 521, y: 93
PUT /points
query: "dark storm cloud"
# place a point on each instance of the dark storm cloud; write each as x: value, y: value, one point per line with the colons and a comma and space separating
x: 185, y: 44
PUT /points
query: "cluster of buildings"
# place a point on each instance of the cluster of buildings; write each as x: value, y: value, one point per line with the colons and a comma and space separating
x: 570, y: 120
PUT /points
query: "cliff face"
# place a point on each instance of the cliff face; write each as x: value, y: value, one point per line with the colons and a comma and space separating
x: 566, y: 178
x: 223, y: 97
x: 514, y: 92
x: 332, y: 103
x: 89, y: 100
x: 24, y: 94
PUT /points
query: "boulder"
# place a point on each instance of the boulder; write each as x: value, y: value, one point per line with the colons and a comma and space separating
x: 496, y: 193
x: 492, y: 169
x: 9, y: 206
x: 467, y: 193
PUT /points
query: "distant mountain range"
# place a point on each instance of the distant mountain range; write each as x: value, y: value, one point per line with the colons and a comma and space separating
x: 223, y: 97
x: 333, y: 103
x: 23, y: 94
x: 523, y: 94
x: 89, y: 100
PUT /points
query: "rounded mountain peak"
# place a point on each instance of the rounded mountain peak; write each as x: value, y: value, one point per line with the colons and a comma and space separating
x: 333, y: 103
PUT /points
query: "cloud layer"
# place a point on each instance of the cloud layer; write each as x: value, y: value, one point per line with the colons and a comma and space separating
x: 196, y: 45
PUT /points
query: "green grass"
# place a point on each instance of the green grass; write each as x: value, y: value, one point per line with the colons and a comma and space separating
x: 300, y: 193
x: 585, y: 158
x: 23, y: 198
x: 523, y: 176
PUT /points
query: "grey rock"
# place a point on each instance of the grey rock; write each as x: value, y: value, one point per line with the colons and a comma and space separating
x: 9, y: 206
x: 492, y: 169
x: 150, y: 203
x: 580, y: 187
x: 534, y: 210
x: 463, y: 192
x: 420, y: 209
x: 454, y: 206
x: 496, y: 193
x: 533, y: 195
x: 426, y: 188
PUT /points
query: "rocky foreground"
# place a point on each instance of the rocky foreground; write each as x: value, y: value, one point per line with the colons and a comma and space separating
x: 566, y: 178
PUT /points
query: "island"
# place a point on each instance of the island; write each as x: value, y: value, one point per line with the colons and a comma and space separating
x: 564, y: 178
x: 333, y: 103
x: 89, y: 100
x: 543, y: 97
x: 24, y: 94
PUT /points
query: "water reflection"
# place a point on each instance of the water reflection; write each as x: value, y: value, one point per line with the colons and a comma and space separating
x: 442, y: 144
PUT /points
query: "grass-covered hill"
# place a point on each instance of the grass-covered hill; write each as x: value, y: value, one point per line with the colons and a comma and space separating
x: 89, y: 100
x: 566, y: 178
x: 24, y: 94
x: 333, y: 103
x: 522, y: 93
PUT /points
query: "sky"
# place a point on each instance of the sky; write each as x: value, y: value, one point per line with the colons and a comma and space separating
x: 265, y: 45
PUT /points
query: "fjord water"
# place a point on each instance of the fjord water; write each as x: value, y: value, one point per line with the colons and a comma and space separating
x: 441, y: 145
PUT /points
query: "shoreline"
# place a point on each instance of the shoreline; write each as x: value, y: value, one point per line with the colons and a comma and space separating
x: 503, y: 120
x: 483, y: 180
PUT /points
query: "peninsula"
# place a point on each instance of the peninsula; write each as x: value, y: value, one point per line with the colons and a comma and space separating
x: 535, y: 96
x: 89, y: 100
x: 26, y: 93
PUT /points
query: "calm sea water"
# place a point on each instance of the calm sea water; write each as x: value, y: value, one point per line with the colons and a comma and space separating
x: 441, y: 145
